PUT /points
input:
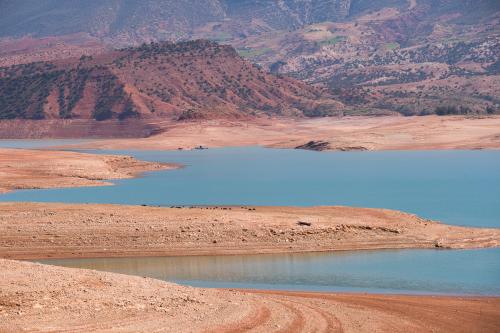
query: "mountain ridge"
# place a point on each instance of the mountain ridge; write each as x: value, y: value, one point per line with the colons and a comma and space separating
x: 153, y: 20
x: 414, y: 57
x: 185, y: 80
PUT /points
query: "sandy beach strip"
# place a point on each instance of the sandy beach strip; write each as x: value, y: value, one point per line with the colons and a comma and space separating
x: 43, y: 298
x: 53, y: 230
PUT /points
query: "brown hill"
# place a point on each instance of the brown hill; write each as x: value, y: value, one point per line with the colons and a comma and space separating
x: 195, y: 79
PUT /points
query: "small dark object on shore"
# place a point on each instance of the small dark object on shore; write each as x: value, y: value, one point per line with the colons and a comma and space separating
x: 308, y: 224
x: 315, y: 145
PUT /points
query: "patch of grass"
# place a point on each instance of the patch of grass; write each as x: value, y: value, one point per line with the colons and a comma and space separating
x: 251, y: 53
x: 334, y: 40
x: 391, y: 46
x: 366, y: 112
x: 221, y: 37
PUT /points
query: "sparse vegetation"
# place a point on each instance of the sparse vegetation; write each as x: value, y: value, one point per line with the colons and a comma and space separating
x: 490, y: 110
x: 129, y: 111
x: 452, y: 110
x: 110, y: 94
x: 252, y: 53
x: 334, y: 40
x: 391, y: 46
x: 25, y: 96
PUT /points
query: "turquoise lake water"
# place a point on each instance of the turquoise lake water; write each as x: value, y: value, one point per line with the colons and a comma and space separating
x: 456, y: 187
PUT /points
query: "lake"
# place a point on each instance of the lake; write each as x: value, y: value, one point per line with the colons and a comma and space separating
x: 456, y: 187
x: 386, y: 271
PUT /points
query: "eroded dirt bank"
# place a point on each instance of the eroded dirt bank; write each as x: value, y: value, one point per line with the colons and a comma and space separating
x: 36, y: 230
x: 76, y: 128
x: 32, y: 169
x: 44, y: 298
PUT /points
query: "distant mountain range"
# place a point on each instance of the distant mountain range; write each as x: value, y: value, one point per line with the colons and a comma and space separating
x: 374, y: 56
x: 413, y: 57
x: 128, y: 21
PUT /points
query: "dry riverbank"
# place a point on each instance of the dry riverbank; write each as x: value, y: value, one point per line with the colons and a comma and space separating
x: 31, y: 169
x: 44, y: 298
x: 348, y: 133
x: 31, y: 230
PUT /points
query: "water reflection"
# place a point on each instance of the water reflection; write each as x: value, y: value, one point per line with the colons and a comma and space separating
x: 409, y: 271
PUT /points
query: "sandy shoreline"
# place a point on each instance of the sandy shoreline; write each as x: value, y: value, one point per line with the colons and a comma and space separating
x: 51, y: 230
x: 44, y: 298
x: 348, y: 133
x: 34, y: 169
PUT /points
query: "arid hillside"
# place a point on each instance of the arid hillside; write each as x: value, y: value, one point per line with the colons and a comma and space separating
x: 412, y: 57
x: 29, y: 49
x: 186, y: 80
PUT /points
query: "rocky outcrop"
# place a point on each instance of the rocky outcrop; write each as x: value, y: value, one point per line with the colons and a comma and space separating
x: 315, y: 145
x: 320, y: 145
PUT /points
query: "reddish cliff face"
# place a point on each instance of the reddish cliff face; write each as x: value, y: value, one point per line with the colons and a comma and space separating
x: 197, y: 79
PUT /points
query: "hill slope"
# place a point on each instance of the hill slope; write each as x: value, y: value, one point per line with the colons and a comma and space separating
x: 376, y: 56
x: 196, y: 79
x: 414, y: 57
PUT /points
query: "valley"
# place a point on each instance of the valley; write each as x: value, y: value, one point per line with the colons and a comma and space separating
x: 249, y: 166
